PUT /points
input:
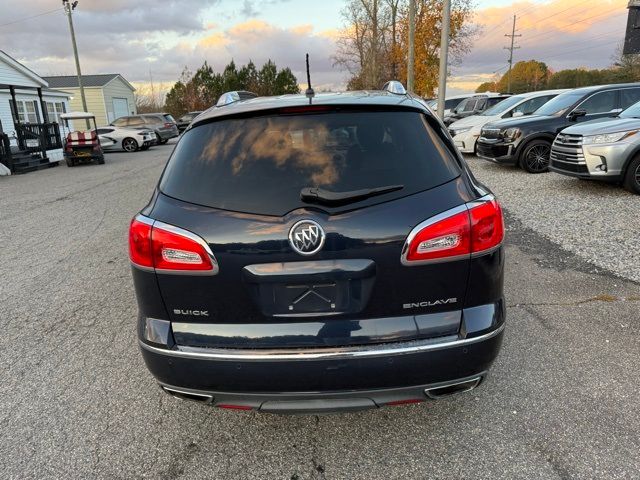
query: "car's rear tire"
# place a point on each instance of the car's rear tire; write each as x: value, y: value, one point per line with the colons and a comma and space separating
x: 632, y: 176
x: 535, y: 156
x: 100, y: 160
x: 129, y: 145
x: 144, y: 148
x: 162, y: 142
x: 70, y: 162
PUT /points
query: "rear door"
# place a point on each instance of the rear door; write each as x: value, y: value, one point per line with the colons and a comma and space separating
x: 248, y: 187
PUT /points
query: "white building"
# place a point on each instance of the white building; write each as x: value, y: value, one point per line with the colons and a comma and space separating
x: 30, y: 135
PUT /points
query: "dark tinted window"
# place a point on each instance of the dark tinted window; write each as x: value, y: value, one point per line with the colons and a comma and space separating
x: 152, y: 119
x: 452, y: 103
x: 629, y: 96
x: 102, y: 131
x: 260, y: 165
x: 169, y: 118
x: 469, y: 105
x: 532, y: 105
x: 491, y: 101
x: 135, y: 121
x: 602, y: 102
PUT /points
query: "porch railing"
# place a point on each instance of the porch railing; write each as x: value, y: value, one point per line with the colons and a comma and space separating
x: 5, y: 151
x: 38, y: 137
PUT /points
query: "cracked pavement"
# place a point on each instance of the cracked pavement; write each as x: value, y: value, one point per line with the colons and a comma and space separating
x: 561, y: 401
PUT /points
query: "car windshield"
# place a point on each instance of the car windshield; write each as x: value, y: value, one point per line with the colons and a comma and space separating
x: 559, y: 104
x: 261, y: 165
x: 632, y: 112
x: 503, y: 106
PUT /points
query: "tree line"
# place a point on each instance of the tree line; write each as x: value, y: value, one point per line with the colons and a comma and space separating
x: 373, y: 43
x: 532, y: 75
x: 199, y: 90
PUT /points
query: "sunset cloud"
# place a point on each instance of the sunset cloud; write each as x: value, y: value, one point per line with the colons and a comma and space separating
x: 142, y: 38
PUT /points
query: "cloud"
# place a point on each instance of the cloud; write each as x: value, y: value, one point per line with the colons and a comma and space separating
x: 561, y: 33
x: 138, y: 39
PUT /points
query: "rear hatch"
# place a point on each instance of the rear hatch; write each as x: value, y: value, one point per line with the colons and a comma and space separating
x: 307, y: 214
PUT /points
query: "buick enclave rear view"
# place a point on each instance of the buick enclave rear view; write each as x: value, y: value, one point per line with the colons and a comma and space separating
x: 319, y: 257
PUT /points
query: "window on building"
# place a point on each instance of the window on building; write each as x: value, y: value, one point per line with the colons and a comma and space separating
x: 54, y: 110
x: 28, y: 111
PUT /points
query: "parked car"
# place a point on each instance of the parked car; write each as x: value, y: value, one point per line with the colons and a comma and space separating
x: 323, y: 257
x: 163, y: 124
x: 526, y: 141
x: 128, y: 139
x: 607, y: 150
x: 449, y: 104
x: 184, y: 121
x: 465, y: 132
x: 474, y: 106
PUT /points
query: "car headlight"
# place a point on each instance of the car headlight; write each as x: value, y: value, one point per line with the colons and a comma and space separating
x: 510, y: 134
x: 458, y: 131
x: 608, y: 137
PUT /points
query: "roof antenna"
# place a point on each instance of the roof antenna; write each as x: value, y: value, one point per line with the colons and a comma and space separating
x: 309, y: 93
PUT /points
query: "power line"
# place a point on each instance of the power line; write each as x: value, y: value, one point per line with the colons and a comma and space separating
x: 522, y: 12
x: 29, y: 18
x: 511, y: 49
x: 580, y: 49
x: 529, y: 38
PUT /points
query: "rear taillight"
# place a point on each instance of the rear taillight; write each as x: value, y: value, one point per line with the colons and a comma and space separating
x: 458, y: 233
x: 167, y: 249
x: 487, y: 226
x: 168, y: 125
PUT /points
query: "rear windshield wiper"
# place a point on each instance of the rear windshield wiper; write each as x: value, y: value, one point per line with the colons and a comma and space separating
x: 326, y: 197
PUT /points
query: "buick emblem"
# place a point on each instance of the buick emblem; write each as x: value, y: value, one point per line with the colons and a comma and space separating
x: 306, y: 237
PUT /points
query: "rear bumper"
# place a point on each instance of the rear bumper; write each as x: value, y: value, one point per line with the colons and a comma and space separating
x: 307, y: 380
x: 169, y: 134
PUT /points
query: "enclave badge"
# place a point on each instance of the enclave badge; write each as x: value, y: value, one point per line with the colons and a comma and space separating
x: 306, y: 237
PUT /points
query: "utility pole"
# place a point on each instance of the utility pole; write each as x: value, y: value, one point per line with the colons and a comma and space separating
x: 68, y: 9
x: 511, y: 49
x: 412, y: 45
x: 444, y: 53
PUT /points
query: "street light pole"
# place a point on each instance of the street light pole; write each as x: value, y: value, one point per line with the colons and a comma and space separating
x: 68, y: 9
x: 444, y: 53
x: 412, y: 45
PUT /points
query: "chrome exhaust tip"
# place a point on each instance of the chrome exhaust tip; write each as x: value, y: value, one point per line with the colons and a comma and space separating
x: 436, y: 393
x: 185, y: 395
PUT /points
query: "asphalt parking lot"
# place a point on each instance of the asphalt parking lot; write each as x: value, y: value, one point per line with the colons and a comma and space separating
x: 562, y: 401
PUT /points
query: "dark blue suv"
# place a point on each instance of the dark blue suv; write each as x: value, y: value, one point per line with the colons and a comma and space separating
x: 313, y: 255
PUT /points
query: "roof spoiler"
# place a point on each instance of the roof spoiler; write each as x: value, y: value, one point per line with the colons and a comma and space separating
x: 395, y: 87
x: 228, y: 98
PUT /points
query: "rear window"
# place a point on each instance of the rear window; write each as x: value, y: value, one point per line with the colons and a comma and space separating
x: 169, y: 118
x: 261, y: 164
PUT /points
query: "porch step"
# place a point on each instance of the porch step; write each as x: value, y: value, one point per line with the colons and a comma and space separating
x: 24, y: 162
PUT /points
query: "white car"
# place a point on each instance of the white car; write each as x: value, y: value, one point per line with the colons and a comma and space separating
x: 449, y: 103
x: 466, y: 131
x: 127, y: 139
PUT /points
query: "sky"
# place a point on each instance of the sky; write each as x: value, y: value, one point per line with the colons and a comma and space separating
x: 152, y: 39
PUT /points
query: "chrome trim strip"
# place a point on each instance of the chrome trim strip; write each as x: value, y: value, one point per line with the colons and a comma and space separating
x: 368, y: 351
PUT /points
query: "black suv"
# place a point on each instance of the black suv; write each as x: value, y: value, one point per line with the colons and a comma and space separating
x: 329, y: 255
x: 526, y: 141
x: 185, y: 120
x: 474, y: 106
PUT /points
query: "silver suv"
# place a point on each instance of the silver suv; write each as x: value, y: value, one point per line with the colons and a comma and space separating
x: 605, y: 149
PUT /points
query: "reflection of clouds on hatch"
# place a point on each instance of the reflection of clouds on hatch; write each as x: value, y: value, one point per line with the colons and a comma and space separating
x: 287, y: 144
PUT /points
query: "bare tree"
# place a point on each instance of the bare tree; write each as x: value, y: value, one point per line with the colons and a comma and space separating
x: 373, y: 43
